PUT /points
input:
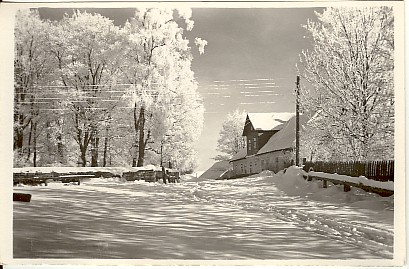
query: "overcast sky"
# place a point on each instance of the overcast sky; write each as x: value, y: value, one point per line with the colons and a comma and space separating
x: 249, y: 62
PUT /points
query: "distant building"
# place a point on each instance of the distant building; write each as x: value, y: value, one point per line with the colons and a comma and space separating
x: 270, y: 143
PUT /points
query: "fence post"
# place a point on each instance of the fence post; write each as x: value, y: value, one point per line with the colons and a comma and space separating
x: 347, y: 188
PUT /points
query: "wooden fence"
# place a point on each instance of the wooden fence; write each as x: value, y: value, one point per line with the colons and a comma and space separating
x: 375, y: 170
x: 39, y: 178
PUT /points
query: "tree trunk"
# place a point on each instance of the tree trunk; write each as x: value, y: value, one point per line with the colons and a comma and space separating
x: 104, y: 161
x: 134, y: 161
x: 141, y: 149
x: 48, y: 141
x: 35, y: 145
x: 136, y: 120
x: 29, y: 141
x: 60, y: 145
x: 83, y: 151
x: 18, y: 141
x: 19, y: 134
x: 60, y: 149
x: 94, y: 150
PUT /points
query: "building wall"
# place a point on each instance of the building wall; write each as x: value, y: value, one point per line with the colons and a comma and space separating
x: 252, y: 143
x: 273, y: 161
x: 240, y: 167
x: 256, y: 140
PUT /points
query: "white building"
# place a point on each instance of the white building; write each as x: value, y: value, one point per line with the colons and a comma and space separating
x: 270, y: 143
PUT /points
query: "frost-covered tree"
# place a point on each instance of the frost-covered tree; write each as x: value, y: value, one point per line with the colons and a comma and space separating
x: 231, y: 140
x: 76, y: 78
x: 350, y: 69
x: 183, y: 124
x: 154, y: 51
x: 86, y: 47
x: 31, y: 67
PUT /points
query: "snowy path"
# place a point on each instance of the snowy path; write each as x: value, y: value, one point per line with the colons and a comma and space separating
x: 248, y: 218
x: 347, y: 225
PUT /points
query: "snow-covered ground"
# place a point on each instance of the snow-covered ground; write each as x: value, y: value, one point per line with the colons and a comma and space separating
x: 266, y: 216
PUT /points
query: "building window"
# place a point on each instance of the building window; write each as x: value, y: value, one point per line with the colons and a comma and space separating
x: 255, y: 142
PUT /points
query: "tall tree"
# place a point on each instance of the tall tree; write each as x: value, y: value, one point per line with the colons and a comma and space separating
x: 81, y: 74
x: 184, y: 123
x: 350, y: 69
x: 154, y: 47
x: 31, y: 66
x: 85, y: 47
x: 231, y: 140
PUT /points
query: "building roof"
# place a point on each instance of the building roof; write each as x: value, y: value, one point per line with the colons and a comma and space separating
x: 285, y: 138
x: 216, y: 171
x: 269, y: 121
x: 240, y: 155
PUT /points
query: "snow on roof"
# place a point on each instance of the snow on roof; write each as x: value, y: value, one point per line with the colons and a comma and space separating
x: 240, y: 155
x: 283, y: 139
x: 269, y: 121
x: 216, y: 171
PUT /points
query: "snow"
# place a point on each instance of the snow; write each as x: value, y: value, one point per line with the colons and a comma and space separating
x: 389, y: 185
x: 283, y: 139
x: 265, y: 216
x: 266, y: 173
x: 216, y: 170
x: 269, y: 121
x: 292, y: 182
x: 198, y: 173
x: 113, y: 170
x: 192, y: 177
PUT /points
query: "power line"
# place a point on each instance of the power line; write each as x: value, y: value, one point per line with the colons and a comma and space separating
x: 88, y: 85
x: 246, y: 80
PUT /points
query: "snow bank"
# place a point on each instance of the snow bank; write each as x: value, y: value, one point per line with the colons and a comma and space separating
x: 266, y: 173
x: 102, y: 180
x: 292, y: 182
x: 357, y: 180
x: 189, y: 177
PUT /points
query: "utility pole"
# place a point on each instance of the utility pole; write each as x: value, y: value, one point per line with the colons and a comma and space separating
x: 297, y: 122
